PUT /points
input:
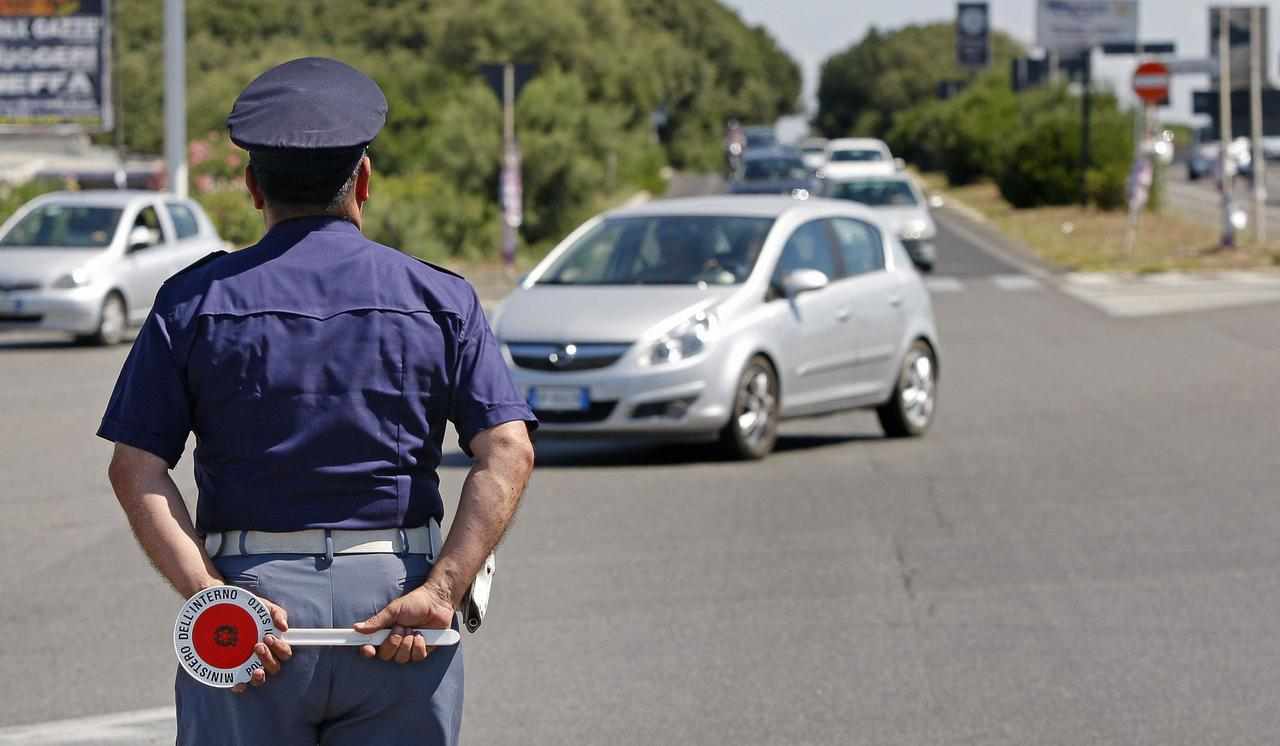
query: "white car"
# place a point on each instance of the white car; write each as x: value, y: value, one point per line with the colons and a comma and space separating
x: 90, y: 263
x: 716, y: 317
x: 901, y: 207
x: 857, y: 156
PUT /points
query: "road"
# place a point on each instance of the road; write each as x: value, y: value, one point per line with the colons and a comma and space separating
x: 1201, y: 200
x: 1083, y: 551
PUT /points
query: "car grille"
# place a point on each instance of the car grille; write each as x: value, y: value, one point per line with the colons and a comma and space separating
x: 564, y: 358
x: 20, y: 318
x: 597, y: 412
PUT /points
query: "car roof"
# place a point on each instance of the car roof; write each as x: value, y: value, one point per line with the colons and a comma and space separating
x: 780, y: 151
x: 856, y: 142
x: 743, y: 205
x: 107, y: 197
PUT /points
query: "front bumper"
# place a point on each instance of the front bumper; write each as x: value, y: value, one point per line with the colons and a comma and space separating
x: 921, y: 251
x: 684, y: 399
x: 74, y: 311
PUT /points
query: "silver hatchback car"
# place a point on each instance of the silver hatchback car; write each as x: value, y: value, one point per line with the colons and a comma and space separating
x: 90, y: 263
x: 717, y: 317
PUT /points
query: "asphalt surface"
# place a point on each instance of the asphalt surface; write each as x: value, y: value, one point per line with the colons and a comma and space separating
x: 1083, y: 551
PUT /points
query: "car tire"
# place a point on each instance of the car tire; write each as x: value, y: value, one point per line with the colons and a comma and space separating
x: 909, y: 411
x: 113, y: 319
x: 752, y: 430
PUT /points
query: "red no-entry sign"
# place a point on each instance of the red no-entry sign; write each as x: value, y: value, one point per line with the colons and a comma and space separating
x: 1151, y: 82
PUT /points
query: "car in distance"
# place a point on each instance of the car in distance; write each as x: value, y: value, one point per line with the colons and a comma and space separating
x: 90, y: 263
x: 714, y: 318
x: 901, y: 207
x: 857, y: 156
x: 772, y: 171
x: 760, y: 136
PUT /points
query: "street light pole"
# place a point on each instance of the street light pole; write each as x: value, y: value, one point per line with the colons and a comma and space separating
x: 175, y: 96
x: 1255, y: 104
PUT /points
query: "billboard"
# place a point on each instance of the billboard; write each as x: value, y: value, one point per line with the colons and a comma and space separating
x: 1072, y: 26
x: 1238, y: 35
x: 973, y: 35
x: 55, y: 63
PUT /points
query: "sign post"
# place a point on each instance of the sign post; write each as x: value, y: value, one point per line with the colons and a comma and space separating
x: 507, y: 79
x: 175, y: 95
x: 1259, y: 171
x: 973, y: 35
x: 1151, y: 84
x: 1226, y: 172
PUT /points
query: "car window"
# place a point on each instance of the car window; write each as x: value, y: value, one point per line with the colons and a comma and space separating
x: 184, y: 221
x: 149, y: 218
x: 775, y: 169
x: 662, y: 250
x: 64, y: 226
x: 874, y: 192
x: 856, y: 156
x: 808, y: 248
x: 861, y: 250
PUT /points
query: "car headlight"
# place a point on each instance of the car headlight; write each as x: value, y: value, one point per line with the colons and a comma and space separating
x: 77, y: 278
x: 916, y: 229
x: 684, y: 341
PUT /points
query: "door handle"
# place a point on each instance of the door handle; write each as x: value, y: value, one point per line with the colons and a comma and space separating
x: 842, y: 315
x: 895, y: 300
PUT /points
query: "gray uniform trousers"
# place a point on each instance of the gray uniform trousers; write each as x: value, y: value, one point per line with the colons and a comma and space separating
x: 329, y: 696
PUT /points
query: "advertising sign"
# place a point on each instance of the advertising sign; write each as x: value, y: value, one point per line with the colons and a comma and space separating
x: 55, y: 63
x: 1238, y: 38
x: 1072, y: 26
x: 973, y: 35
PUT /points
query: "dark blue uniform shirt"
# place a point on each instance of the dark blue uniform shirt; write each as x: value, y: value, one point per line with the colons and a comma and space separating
x: 317, y: 370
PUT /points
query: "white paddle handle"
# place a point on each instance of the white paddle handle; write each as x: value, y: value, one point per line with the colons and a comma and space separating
x: 349, y: 637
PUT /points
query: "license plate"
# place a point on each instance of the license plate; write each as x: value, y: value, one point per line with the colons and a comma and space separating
x: 559, y: 398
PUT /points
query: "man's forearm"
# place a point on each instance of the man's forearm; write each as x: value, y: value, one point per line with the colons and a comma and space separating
x: 489, y: 499
x: 162, y: 525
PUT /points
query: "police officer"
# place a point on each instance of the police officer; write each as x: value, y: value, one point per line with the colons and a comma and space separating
x: 317, y: 370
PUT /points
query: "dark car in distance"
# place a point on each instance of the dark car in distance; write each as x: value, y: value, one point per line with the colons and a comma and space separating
x: 773, y: 171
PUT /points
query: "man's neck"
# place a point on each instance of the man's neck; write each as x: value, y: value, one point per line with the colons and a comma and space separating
x: 275, y: 216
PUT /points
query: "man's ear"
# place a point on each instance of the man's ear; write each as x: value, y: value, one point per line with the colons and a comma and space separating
x: 251, y: 181
x: 364, y: 172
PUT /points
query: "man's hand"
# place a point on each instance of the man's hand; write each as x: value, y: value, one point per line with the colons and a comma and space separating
x: 425, y: 607
x: 272, y: 651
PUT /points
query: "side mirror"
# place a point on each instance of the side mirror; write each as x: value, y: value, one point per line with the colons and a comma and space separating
x: 803, y: 281
x: 142, y: 237
x: 899, y: 164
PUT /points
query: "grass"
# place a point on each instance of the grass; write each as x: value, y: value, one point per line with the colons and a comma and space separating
x: 1081, y: 239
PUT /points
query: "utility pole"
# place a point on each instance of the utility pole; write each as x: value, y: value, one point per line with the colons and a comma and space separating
x: 175, y: 95
x: 1224, y: 124
x: 1255, y: 104
x: 511, y: 188
x: 1086, y: 110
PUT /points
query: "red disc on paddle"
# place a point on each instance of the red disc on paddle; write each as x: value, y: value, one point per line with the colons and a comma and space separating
x: 224, y: 635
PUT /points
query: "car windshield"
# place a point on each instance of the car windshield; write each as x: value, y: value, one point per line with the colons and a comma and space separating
x: 663, y: 250
x: 760, y: 139
x: 856, y: 156
x: 65, y: 227
x: 876, y: 193
x: 773, y: 169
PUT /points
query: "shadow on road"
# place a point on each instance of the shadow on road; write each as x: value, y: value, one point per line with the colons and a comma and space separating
x: 573, y: 454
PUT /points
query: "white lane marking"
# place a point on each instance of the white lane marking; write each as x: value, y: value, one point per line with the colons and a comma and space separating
x: 943, y: 284
x: 1015, y: 282
x: 155, y: 725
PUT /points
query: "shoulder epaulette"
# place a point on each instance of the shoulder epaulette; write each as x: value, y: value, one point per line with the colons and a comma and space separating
x: 437, y: 267
x: 200, y: 262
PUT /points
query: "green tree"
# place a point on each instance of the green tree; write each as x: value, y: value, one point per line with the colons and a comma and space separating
x: 864, y: 88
